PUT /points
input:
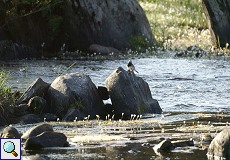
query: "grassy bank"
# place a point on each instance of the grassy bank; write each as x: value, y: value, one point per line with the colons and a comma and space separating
x: 177, y: 24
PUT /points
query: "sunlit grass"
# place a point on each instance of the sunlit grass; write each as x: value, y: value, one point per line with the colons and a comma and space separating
x: 177, y: 24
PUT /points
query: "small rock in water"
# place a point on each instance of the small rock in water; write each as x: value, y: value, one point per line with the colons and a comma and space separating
x: 133, y: 151
x: 164, y: 146
x: 145, y: 144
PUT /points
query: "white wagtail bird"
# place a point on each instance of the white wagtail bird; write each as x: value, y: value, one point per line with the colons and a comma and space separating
x: 131, y: 67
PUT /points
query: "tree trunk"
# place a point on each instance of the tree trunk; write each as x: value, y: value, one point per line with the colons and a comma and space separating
x: 217, y: 13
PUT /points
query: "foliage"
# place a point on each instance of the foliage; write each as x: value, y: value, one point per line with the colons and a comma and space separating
x: 6, y: 98
x: 54, y: 25
x: 139, y: 43
x: 177, y: 24
x: 22, y: 7
x: 78, y: 104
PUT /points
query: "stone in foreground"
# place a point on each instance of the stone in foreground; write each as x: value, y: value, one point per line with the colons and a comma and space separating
x: 220, y: 145
x: 46, y: 139
x: 36, y: 130
x: 10, y: 132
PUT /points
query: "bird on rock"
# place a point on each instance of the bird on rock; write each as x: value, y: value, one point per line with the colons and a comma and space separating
x: 131, y: 67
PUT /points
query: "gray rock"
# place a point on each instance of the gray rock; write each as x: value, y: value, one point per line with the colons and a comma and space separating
x: 46, y: 139
x: 104, y: 23
x: 73, y: 114
x: 36, y: 130
x: 102, y: 50
x: 37, y: 88
x: 10, y: 50
x: 220, y: 145
x: 10, y: 132
x: 130, y: 94
x: 38, y: 105
x: 29, y: 119
x: 74, y: 90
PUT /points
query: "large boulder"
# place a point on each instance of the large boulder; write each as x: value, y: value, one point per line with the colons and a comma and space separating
x: 37, y: 88
x: 36, y: 130
x: 130, y: 94
x: 11, y: 50
x: 79, y: 24
x: 46, y: 139
x: 218, y: 21
x: 74, y: 90
x: 104, y: 23
x: 220, y: 145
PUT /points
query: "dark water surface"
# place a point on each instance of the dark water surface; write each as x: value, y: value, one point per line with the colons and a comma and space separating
x: 188, y: 86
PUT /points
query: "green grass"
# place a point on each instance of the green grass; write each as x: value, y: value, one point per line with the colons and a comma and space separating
x: 177, y: 24
x: 6, y: 99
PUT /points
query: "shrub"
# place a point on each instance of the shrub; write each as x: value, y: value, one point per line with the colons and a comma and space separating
x: 6, y: 99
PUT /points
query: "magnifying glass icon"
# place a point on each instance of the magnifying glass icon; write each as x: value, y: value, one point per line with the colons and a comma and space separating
x: 9, y: 147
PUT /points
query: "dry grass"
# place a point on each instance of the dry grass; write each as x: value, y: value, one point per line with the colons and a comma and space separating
x: 177, y: 24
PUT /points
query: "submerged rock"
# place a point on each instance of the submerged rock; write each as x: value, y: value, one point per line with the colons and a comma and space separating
x: 74, y: 90
x: 46, y: 139
x: 130, y: 94
x: 220, y: 145
x: 36, y: 130
x: 183, y: 143
x: 164, y: 146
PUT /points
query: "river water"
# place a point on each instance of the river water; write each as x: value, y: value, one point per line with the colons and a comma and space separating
x: 187, y: 86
